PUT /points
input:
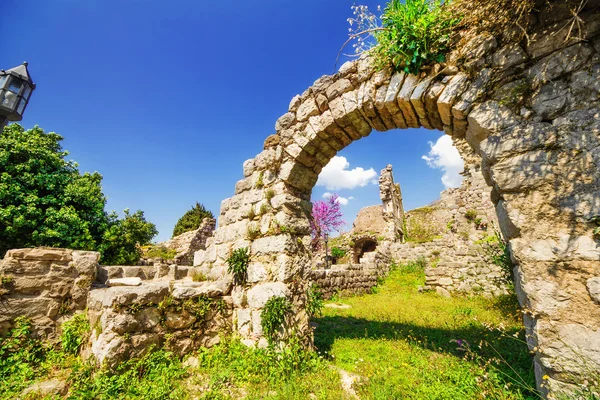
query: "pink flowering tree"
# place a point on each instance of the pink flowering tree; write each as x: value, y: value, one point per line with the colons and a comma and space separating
x: 326, y: 218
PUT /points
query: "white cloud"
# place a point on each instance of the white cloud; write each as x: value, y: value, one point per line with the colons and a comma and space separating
x: 445, y: 156
x: 336, y: 175
x: 342, y: 200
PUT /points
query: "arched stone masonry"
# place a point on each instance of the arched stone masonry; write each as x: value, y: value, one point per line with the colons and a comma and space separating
x: 530, y: 111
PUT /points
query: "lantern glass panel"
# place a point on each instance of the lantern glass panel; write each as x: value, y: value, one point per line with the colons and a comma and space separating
x: 27, y: 92
x: 15, y: 85
x: 2, y: 81
x: 21, y: 106
x: 8, y: 99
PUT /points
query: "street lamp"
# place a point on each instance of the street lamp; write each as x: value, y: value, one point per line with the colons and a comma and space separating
x: 16, y: 87
x: 326, y: 237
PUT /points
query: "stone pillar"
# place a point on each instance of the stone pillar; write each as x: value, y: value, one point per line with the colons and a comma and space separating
x: 393, y: 209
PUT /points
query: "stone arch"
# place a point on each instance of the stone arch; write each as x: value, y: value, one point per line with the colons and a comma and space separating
x: 361, y: 246
x: 541, y: 156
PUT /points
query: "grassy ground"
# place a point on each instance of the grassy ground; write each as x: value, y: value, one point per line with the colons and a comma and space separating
x: 411, y: 345
x: 401, y: 343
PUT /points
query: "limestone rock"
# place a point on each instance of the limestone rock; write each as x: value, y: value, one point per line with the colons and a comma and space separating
x: 124, y: 282
x: 259, y: 294
x: 52, y: 387
x: 593, y: 286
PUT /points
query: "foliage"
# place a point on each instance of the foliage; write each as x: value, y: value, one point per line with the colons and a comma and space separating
x: 326, y: 217
x: 420, y: 226
x: 45, y: 201
x: 192, y: 219
x: 156, y: 251
x: 251, y: 214
x: 470, y: 215
x: 269, y: 194
x: 238, y: 264
x: 314, y: 301
x: 595, y: 220
x: 156, y: 375
x: 506, y: 18
x: 411, y: 34
x: 74, y: 333
x: 121, y: 241
x: 198, y: 276
x: 416, y: 33
x: 496, y: 249
x: 263, y: 209
x: 252, y: 232
x: 337, y: 252
x: 273, y: 315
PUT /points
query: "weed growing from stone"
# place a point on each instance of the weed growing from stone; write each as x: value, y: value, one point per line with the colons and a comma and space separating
x: 75, y: 333
x: 314, y: 301
x: 198, y: 276
x: 252, y: 232
x: 269, y: 194
x: 238, y: 265
x: 273, y: 316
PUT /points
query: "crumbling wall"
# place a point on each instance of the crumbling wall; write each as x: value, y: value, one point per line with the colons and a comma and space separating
x: 46, y: 285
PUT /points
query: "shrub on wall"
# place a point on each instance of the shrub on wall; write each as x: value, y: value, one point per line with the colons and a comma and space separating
x: 192, y: 219
x: 238, y: 264
x: 273, y: 315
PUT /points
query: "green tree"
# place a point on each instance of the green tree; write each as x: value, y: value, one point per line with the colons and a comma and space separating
x: 121, y: 241
x: 45, y: 201
x: 192, y: 219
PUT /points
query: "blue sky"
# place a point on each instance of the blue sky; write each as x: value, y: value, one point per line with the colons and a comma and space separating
x: 167, y: 99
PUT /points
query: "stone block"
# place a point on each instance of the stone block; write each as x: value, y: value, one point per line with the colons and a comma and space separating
x: 259, y: 294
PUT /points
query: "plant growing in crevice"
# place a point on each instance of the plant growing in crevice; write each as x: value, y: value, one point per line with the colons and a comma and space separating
x: 238, y: 265
x: 259, y: 181
x: 263, y: 209
x: 314, y: 301
x: 251, y: 214
x: 407, y: 35
x: 470, y: 215
x: 75, y: 333
x: 269, y: 194
x: 595, y: 220
x: 496, y: 250
x: 273, y: 316
x: 252, y: 232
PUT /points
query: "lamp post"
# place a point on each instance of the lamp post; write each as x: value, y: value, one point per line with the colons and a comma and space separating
x: 16, y: 87
x: 326, y: 237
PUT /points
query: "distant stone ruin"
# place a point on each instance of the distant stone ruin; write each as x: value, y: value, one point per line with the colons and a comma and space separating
x: 190, y: 242
x: 384, y: 220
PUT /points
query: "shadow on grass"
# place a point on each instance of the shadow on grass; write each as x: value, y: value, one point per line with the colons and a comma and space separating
x: 512, y: 352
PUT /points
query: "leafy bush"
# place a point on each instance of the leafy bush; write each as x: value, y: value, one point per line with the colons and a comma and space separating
x: 155, y: 251
x: 192, y: 219
x: 416, y: 33
x: 74, y: 333
x: 314, y: 301
x: 337, y: 252
x: 273, y: 315
x: 45, y: 201
x: 120, y: 242
x: 238, y: 264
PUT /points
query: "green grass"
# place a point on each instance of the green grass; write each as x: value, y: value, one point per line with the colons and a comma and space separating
x: 403, y: 344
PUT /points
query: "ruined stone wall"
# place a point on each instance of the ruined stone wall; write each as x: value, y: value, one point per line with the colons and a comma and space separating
x: 458, y: 260
x: 182, y: 316
x: 347, y: 278
x: 46, y: 285
x: 190, y: 242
